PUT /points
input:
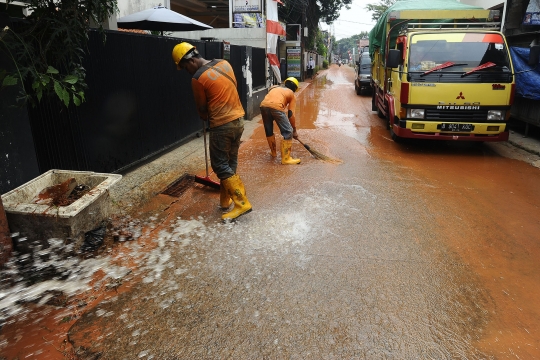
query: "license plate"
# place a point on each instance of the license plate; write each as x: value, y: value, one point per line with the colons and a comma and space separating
x: 456, y: 127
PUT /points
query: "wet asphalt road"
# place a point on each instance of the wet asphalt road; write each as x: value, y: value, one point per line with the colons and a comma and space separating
x: 404, y: 251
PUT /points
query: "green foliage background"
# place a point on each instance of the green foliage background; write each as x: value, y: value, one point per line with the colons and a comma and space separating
x: 47, y: 49
x: 379, y: 8
x: 309, y: 13
x: 343, y: 46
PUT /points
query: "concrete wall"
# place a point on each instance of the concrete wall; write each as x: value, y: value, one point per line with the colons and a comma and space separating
x: 254, y: 37
x: 128, y: 7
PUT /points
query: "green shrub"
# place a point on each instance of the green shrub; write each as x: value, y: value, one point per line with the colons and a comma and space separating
x: 325, y: 64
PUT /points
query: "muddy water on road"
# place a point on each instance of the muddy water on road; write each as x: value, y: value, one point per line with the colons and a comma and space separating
x: 421, y: 251
x: 484, y: 209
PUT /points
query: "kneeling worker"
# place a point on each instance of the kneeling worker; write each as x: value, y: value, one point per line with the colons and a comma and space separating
x: 278, y: 100
x: 214, y: 88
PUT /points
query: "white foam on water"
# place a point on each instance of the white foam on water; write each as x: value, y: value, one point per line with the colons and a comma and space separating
x: 77, y: 273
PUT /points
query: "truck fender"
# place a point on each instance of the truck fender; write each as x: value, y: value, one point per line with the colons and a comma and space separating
x: 391, y: 109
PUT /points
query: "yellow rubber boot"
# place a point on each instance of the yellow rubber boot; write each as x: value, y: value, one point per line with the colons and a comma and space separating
x: 272, y: 143
x: 224, y: 199
x: 286, y: 158
x: 237, y: 192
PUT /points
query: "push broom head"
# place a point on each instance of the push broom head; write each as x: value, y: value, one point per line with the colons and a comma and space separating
x: 207, y: 181
x: 320, y: 156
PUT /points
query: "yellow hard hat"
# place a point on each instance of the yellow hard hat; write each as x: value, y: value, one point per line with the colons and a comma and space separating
x: 294, y: 81
x: 183, y: 51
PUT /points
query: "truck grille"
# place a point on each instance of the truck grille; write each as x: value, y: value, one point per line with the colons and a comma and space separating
x: 456, y: 115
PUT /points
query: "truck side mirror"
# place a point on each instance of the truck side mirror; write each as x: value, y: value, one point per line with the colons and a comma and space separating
x: 534, y: 55
x: 394, y: 56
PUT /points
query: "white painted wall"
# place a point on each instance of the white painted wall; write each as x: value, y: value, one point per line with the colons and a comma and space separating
x: 255, y: 37
x: 128, y: 7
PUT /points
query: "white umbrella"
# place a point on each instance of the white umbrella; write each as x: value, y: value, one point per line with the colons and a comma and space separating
x: 160, y: 19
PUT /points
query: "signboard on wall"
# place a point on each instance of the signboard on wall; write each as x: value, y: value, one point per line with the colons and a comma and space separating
x: 532, y: 15
x: 294, y: 61
x: 240, y: 6
x: 248, y: 20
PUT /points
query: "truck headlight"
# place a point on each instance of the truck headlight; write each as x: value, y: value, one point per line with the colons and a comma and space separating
x: 415, y: 113
x: 495, y: 115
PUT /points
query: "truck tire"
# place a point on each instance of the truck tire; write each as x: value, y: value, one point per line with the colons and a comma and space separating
x: 357, y: 89
x: 373, y: 103
x: 393, y: 135
x: 380, y: 113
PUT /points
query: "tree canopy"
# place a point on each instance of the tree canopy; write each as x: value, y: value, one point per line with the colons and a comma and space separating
x: 379, y: 8
x: 48, y: 46
x: 309, y: 13
x: 344, y: 47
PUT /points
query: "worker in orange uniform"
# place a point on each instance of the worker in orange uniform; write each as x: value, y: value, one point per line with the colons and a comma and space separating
x: 279, y: 105
x: 214, y: 88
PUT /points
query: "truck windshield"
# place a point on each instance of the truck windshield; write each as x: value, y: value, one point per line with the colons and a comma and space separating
x: 466, y: 50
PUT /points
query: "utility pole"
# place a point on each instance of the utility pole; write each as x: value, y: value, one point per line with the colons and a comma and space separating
x: 302, y: 41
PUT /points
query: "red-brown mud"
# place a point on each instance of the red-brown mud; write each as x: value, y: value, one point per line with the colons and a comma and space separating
x: 487, y: 210
x: 484, y: 208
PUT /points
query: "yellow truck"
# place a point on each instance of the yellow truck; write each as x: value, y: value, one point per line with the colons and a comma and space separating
x: 441, y: 70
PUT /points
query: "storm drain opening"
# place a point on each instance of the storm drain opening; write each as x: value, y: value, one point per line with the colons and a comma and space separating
x: 179, y: 186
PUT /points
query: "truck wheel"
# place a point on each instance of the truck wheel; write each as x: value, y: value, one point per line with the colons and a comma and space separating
x: 357, y: 89
x: 373, y: 103
x: 380, y: 113
x: 393, y: 135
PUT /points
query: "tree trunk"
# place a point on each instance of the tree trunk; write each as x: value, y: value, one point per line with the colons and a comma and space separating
x: 5, y: 236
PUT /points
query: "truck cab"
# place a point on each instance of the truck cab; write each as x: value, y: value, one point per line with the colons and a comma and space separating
x: 451, y: 84
x: 441, y: 71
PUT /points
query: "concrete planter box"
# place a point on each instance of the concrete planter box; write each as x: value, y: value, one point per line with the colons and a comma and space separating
x: 42, y: 222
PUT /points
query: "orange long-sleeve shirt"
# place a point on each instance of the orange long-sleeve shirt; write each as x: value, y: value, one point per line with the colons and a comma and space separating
x: 281, y: 98
x: 216, y: 96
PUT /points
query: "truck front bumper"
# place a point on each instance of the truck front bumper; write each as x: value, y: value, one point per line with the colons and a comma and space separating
x: 432, y: 130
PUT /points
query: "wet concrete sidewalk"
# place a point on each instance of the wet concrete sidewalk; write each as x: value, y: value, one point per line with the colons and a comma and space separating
x: 140, y: 184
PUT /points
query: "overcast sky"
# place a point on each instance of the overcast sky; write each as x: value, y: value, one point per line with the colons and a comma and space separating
x: 352, y: 22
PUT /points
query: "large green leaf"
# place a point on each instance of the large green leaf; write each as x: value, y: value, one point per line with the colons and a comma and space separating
x: 76, y: 100
x: 51, y: 70
x: 58, y: 89
x: 71, y: 79
x: 9, y: 80
x: 65, y: 96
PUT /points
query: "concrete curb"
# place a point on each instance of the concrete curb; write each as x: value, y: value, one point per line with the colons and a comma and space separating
x: 528, y: 144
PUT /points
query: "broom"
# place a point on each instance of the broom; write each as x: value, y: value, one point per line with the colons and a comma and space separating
x: 206, y: 179
x: 319, y: 155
